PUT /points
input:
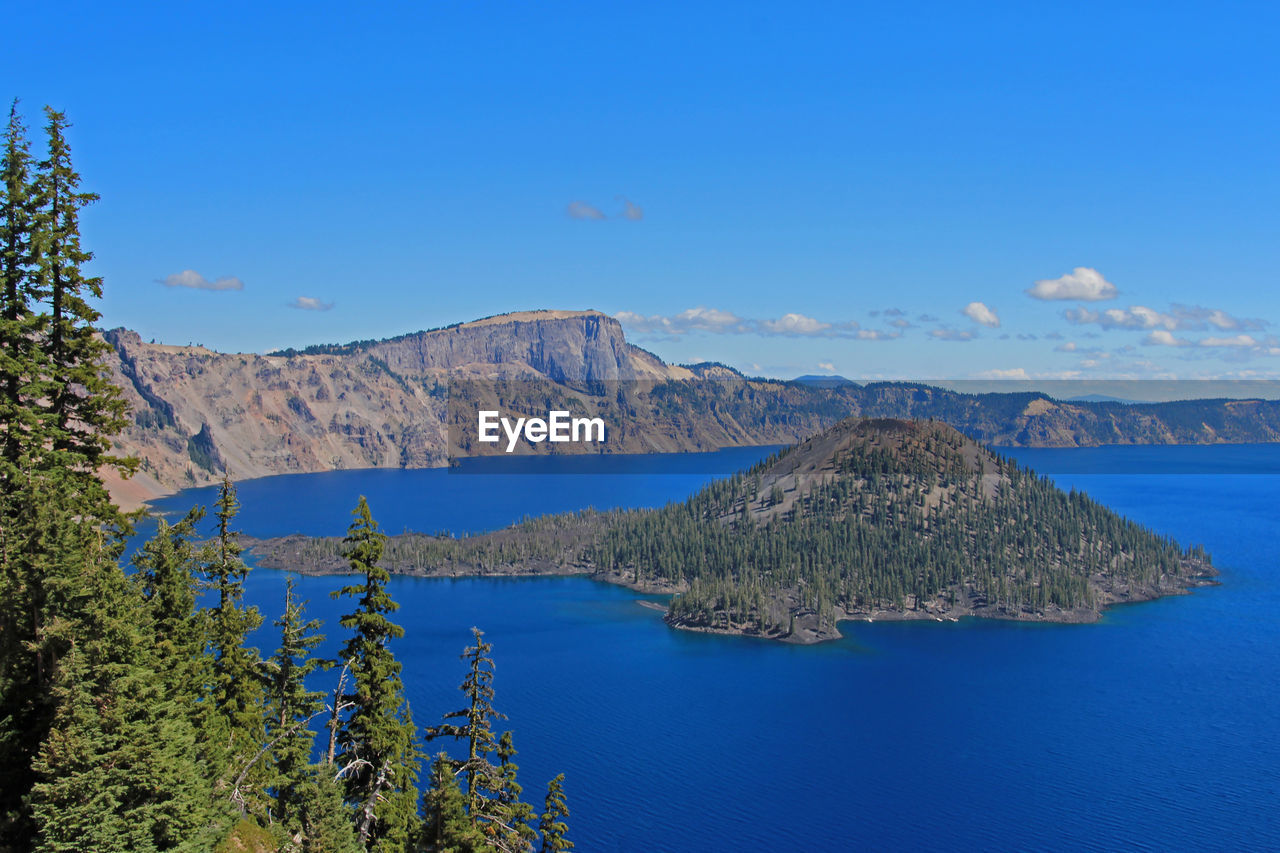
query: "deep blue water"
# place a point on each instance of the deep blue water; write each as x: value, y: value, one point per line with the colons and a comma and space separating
x: 1157, y: 729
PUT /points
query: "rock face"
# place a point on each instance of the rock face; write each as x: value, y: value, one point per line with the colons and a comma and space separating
x: 197, y: 412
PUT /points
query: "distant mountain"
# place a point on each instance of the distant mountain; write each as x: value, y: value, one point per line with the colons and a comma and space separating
x: 819, y: 380
x: 1100, y: 398
x: 872, y: 518
x: 197, y: 413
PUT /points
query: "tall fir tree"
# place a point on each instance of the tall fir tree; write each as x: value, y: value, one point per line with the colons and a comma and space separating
x: 58, y: 411
x: 378, y: 751
x: 552, y: 825
x: 446, y: 826
x: 491, y: 797
x: 236, y: 725
x: 20, y: 374
x: 85, y: 407
x: 292, y: 706
x: 117, y: 770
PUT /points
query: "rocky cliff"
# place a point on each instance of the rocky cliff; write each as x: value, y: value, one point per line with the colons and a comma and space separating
x: 198, y: 413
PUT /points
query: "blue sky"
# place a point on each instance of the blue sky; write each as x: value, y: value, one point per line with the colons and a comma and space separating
x: 788, y: 188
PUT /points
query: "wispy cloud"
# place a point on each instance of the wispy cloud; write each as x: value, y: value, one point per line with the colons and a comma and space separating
x: 946, y: 334
x: 310, y: 303
x: 1177, y: 318
x: 1084, y: 284
x: 716, y: 321
x: 981, y: 314
x: 195, y: 281
x: 631, y: 211
x: 1235, y: 342
x: 1003, y: 373
x: 582, y: 210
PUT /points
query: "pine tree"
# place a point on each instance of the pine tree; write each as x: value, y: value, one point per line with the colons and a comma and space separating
x: 447, y: 828
x: 292, y: 706
x: 325, y: 819
x: 85, y: 408
x: 476, y: 727
x: 117, y: 770
x: 378, y: 753
x: 516, y: 817
x: 20, y: 725
x: 235, y: 728
x: 554, y: 811
x: 492, y: 797
x: 57, y: 414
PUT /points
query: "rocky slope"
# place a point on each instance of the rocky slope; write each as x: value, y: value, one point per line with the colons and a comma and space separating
x: 198, y: 413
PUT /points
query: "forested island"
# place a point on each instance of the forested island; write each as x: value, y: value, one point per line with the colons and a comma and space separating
x: 871, y: 519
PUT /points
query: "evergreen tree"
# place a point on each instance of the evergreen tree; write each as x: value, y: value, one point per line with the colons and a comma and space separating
x: 58, y: 411
x: 236, y: 726
x: 326, y: 821
x: 20, y: 725
x: 86, y: 409
x: 554, y: 811
x: 292, y: 706
x: 117, y: 770
x: 511, y: 812
x: 378, y: 753
x: 447, y: 828
x: 492, y: 796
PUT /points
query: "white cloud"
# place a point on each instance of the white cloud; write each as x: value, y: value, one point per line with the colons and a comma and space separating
x: 828, y: 366
x: 1177, y: 318
x: 582, y: 210
x: 195, y: 281
x: 700, y: 319
x: 981, y: 314
x: 998, y: 373
x: 1083, y: 283
x: 716, y: 321
x: 1163, y: 338
x: 1069, y: 346
x: 876, y: 335
x: 310, y: 303
x: 1236, y: 342
x: 951, y: 335
x: 794, y: 324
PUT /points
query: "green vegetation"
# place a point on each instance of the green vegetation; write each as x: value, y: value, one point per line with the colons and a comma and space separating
x: 884, y: 518
x: 133, y: 714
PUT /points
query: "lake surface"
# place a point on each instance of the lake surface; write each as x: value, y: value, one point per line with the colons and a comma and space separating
x: 1157, y: 729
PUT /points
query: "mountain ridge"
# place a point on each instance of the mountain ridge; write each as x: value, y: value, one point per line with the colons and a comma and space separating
x: 198, y: 413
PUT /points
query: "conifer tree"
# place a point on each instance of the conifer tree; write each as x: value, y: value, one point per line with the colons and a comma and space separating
x: 378, y: 752
x: 236, y: 726
x: 492, y: 795
x: 117, y: 770
x: 554, y: 811
x: 325, y: 819
x: 447, y: 829
x: 85, y: 408
x: 57, y: 414
x: 20, y: 728
x: 292, y: 706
